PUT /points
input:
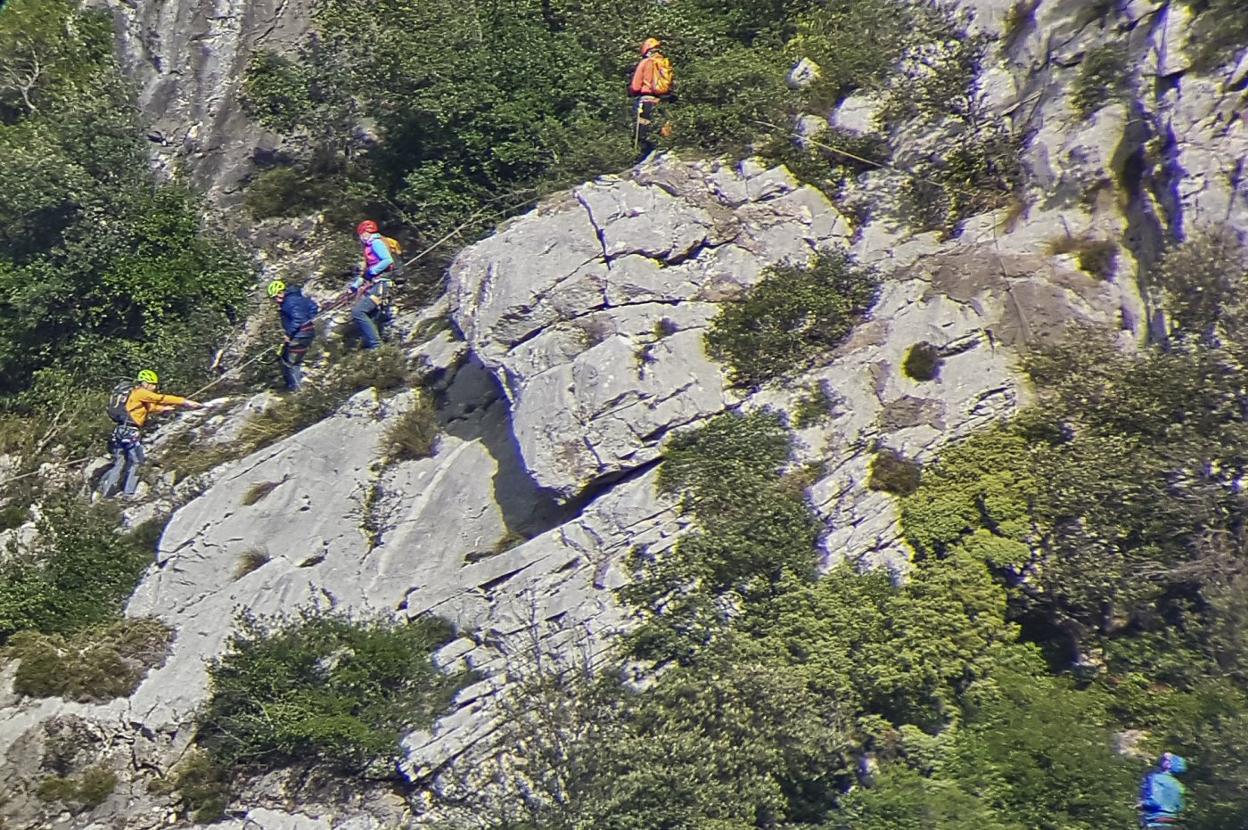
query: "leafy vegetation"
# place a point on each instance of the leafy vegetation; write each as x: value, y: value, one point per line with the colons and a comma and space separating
x: 894, y: 473
x: 922, y: 362
x: 84, y: 792
x: 1102, y: 77
x: 815, y: 405
x: 77, y: 574
x: 321, y: 689
x: 1218, y: 31
x: 793, y: 316
x: 82, y: 219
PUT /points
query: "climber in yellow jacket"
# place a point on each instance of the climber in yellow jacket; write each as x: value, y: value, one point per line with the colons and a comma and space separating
x: 130, y: 405
x: 651, y: 86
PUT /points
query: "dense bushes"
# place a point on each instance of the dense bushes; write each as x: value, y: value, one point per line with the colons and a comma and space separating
x: 793, y: 316
x: 79, y: 572
x: 323, y: 689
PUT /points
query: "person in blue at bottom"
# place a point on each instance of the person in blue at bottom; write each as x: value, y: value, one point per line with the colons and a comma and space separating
x: 371, y: 288
x: 1161, y: 794
x: 298, y: 323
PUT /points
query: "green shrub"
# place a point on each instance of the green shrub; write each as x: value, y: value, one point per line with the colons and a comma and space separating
x: 1098, y: 257
x: 89, y: 790
x: 288, y: 191
x: 815, y: 406
x: 323, y: 689
x: 792, y: 317
x: 202, y: 785
x: 923, y: 361
x: 757, y: 532
x: 414, y: 434
x: 91, y: 665
x: 78, y: 573
x: 894, y: 473
x: 1103, y: 76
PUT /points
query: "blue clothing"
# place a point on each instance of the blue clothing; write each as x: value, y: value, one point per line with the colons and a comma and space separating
x: 297, y: 311
x: 1161, y: 799
x: 362, y: 313
x: 127, y: 449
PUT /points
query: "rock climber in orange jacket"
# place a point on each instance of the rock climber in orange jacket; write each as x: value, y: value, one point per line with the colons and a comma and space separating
x: 651, y: 86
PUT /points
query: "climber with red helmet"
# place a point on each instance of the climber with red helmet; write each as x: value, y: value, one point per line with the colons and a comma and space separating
x: 651, y: 86
x: 371, y: 286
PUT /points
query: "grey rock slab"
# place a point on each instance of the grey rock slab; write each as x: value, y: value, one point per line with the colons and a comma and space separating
x: 589, y: 399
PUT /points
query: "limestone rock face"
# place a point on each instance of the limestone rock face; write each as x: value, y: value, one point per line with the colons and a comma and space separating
x: 188, y: 61
x: 591, y: 309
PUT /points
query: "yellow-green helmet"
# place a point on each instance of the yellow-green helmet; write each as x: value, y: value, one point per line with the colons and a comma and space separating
x: 148, y: 376
x: 276, y: 287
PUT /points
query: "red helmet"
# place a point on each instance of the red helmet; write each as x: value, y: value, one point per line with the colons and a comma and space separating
x: 648, y: 44
x: 367, y: 226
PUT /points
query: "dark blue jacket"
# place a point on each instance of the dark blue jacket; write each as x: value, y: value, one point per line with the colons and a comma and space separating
x: 297, y: 312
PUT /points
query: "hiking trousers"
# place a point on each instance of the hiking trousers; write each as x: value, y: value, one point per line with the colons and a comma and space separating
x: 127, y: 450
x: 293, y: 354
x: 649, y: 125
x: 365, y: 310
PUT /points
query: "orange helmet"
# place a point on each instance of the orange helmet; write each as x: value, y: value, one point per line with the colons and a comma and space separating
x: 367, y: 226
x: 648, y: 44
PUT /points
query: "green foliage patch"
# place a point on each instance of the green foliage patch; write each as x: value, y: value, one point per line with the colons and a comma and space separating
x: 83, y: 792
x: 1103, y: 76
x: 793, y: 316
x: 894, y: 473
x: 323, y: 689
x: 78, y: 573
x: 922, y: 362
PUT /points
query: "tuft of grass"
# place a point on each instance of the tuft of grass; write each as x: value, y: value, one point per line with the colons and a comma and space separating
x: 414, y: 434
x: 893, y: 473
x: 1102, y: 77
x: 203, y: 786
x: 93, y: 665
x: 258, y: 491
x: 592, y: 331
x: 665, y: 327
x: 252, y: 559
x: 923, y: 362
x: 1020, y: 16
x: 1098, y: 257
x: 89, y: 790
x: 815, y: 406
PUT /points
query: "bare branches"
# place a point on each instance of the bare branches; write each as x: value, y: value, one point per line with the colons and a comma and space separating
x: 22, y: 72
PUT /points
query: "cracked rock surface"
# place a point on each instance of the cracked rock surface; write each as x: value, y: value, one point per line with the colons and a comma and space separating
x: 591, y: 309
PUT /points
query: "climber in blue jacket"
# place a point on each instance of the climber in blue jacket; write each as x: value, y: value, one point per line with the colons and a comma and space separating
x: 298, y: 323
x: 1161, y: 794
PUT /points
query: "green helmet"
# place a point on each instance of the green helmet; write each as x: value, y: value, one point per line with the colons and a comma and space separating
x: 276, y: 287
x: 148, y: 376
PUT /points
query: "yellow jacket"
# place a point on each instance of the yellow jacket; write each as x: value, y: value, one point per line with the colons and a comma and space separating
x: 143, y: 402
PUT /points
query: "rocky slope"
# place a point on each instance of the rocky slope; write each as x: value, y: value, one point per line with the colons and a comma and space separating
x: 581, y: 352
